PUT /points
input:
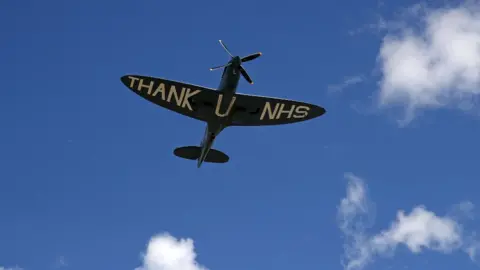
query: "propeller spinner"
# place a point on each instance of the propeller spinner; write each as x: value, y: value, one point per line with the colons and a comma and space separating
x: 242, y: 60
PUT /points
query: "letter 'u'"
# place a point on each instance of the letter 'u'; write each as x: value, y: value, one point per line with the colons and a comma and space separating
x: 219, y: 102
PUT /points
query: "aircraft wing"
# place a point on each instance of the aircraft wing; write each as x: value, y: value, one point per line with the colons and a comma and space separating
x: 176, y: 96
x: 252, y: 110
x: 203, y: 103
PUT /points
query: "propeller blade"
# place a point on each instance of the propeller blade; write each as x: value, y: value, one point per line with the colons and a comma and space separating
x: 222, y: 66
x: 225, y: 48
x: 251, y: 57
x: 245, y: 75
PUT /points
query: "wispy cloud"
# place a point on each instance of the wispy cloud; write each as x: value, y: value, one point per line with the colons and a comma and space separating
x: 347, y: 82
x: 60, y: 262
x: 165, y: 252
x: 418, y: 230
x: 379, y: 25
x: 11, y: 268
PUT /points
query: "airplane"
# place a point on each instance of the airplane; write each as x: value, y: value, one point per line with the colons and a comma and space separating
x: 219, y: 108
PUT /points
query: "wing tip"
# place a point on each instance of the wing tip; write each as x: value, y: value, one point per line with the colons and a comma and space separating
x: 319, y: 110
x: 124, y: 79
x: 322, y: 110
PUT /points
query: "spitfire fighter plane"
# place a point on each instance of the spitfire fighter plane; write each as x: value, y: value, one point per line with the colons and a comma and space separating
x: 219, y: 108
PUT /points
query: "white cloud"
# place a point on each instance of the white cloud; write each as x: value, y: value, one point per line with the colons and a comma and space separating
x: 165, y: 252
x: 434, y: 65
x: 420, y: 229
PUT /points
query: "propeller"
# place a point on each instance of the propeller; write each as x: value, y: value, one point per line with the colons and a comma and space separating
x: 242, y: 60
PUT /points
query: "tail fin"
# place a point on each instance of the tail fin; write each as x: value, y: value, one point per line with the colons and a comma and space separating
x: 193, y: 153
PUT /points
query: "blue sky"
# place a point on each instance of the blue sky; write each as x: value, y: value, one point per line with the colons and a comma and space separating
x: 89, y: 180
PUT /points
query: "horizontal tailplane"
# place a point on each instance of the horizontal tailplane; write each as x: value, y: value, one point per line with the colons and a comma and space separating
x: 193, y: 153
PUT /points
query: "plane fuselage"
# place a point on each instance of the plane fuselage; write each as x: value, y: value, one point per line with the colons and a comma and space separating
x: 228, y: 87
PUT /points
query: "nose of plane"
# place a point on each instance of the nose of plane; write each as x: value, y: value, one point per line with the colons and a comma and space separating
x: 237, y: 60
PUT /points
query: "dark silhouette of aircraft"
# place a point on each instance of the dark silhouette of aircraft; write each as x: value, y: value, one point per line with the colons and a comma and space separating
x: 220, y: 108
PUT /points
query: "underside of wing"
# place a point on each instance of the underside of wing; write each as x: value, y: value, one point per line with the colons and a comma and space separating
x: 251, y: 110
x: 205, y: 103
x: 187, y: 99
